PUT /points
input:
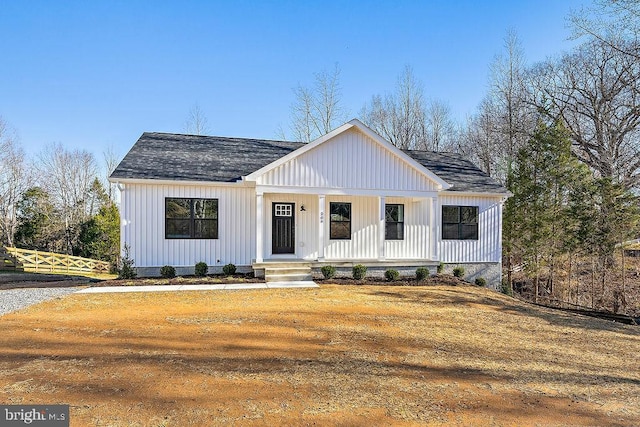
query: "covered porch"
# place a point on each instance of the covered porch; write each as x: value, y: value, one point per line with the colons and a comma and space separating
x: 298, y: 269
x: 304, y: 230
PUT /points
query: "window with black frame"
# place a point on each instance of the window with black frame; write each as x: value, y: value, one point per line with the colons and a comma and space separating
x: 460, y: 222
x: 394, y: 222
x: 340, y: 221
x: 191, y: 218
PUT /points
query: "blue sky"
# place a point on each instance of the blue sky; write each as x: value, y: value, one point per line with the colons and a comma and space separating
x: 93, y: 74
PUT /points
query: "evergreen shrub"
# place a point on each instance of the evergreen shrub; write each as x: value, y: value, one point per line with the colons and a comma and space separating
x: 422, y: 273
x: 229, y: 269
x: 201, y: 269
x: 391, y: 275
x: 328, y: 271
x: 359, y: 271
x: 168, y: 272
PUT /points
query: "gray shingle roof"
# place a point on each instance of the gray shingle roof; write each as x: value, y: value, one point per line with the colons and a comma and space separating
x: 167, y: 156
x: 198, y: 158
x: 457, y: 171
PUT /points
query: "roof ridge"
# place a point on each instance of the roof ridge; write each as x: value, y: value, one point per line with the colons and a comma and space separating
x: 222, y: 137
x: 433, y: 151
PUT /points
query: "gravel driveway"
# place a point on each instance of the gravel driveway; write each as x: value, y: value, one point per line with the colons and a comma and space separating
x: 16, y: 299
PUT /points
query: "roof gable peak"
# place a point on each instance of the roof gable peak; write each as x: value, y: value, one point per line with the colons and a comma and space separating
x: 353, y: 123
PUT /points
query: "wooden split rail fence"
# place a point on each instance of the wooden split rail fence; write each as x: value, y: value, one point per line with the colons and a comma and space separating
x: 51, y: 262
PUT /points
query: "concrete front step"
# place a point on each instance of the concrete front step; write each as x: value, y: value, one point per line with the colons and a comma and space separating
x: 282, y: 273
x: 287, y: 270
x: 282, y: 264
x: 288, y: 277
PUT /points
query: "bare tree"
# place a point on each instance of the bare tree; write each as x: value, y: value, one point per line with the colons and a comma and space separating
x: 595, y: 91
x: 68, y: 177
x: 15, y: 179
x: 317, y: 110
x: 399, y: 117
x: 328, y: 112
x: 196, y: 123
x: 612, y: 22
x: 479, y: 142
x: 111, y: 160
x: 508, y: 92
x: 441, y: 131
x: 505, y: 119
x: 301, y: 115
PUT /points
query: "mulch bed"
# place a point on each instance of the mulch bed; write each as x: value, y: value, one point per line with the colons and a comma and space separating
x: 53, y: 281
x: 436, y: 280
x: 182, y: 280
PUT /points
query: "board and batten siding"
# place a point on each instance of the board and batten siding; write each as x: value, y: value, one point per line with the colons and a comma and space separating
x: 143, y: 226
x: 488, y: 247
x: 349, y: 160
x: 364, y: 228
x: 416, y: 244
x: 365, y: 232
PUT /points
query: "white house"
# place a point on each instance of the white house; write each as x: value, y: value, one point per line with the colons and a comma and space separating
x: 286, y: 209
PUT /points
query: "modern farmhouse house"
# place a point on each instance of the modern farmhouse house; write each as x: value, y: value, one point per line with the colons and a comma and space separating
x: 284, y: 209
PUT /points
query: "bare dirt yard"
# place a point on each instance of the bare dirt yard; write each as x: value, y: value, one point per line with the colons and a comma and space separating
x: 334, y: 355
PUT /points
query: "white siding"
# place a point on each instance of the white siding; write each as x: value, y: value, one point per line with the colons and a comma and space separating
x: 350, y: 160
x: 416, y: 231
x: 364, y: 230
x: 143, y: 213
x: 143, y: 226
x: 488, y: 247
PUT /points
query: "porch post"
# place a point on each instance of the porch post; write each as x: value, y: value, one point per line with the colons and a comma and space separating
x: 321, y: 216
x: 381, y: 229
x: 433, y: 234
x: 259, y: 227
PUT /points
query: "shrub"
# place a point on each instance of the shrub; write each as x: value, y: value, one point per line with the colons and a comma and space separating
x: 114, y: 268
x: 125, y: 269
x: 328, y: 271
x: 422, y: 273
x: 458, y: 272
x: 168, y: 272
x: 359, y: 271
x: 440, y: 268
x: 229, y: 269
x: 201, y: 269
x: 506, y: 289
x: 481, y: 281
x: 391, y: 275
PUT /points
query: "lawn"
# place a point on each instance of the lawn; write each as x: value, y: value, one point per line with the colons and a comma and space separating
x: 334, y: 355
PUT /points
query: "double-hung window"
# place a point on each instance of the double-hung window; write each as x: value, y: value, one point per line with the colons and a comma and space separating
x: 460, y: 223
x: 340, y: 221
x: 191, y: 218
x: 394, y: 222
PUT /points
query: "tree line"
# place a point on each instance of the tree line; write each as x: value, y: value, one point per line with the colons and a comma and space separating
x: 58, y: 202
x: 562, y: 135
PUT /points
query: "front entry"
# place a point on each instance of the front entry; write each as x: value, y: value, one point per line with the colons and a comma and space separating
x: 283, y: 230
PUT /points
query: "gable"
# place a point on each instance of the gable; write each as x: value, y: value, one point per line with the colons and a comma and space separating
x: 350, y: 159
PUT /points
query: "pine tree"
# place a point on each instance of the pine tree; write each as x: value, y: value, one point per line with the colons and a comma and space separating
x: 541, y: 180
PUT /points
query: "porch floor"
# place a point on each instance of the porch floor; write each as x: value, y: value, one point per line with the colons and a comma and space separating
x: 298, y: 262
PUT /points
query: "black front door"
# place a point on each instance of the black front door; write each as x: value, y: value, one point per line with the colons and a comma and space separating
x: 283, y: 230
